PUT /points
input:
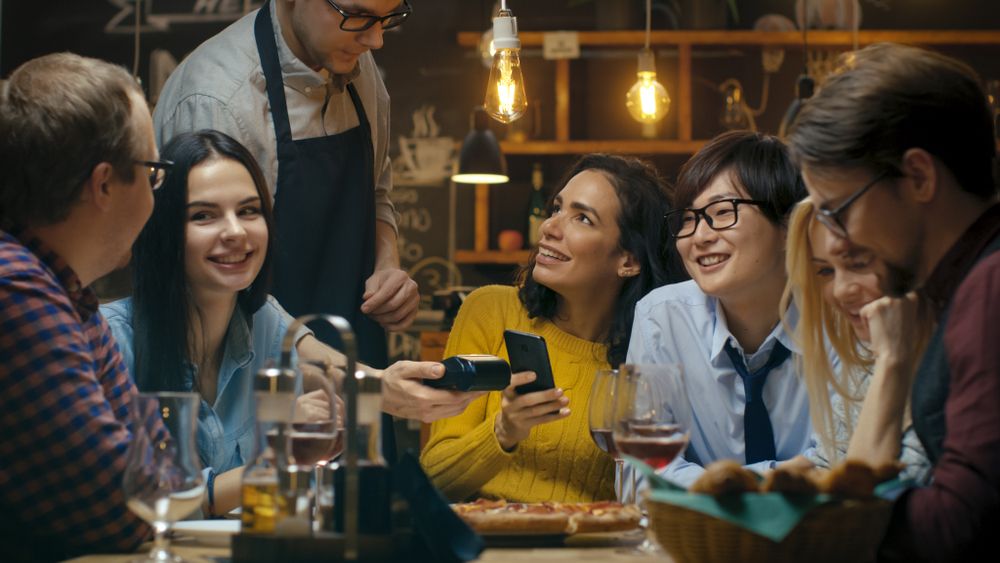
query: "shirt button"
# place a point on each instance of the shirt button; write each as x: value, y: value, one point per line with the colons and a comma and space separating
x: 309, y: 89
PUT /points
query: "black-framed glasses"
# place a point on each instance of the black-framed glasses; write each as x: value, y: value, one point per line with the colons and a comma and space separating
x: 832, y: 218
x: 362, y: 22
x: 720, y: 214
x: 157, y: 171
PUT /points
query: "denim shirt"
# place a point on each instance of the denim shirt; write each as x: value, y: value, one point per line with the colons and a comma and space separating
x: 225, y: 428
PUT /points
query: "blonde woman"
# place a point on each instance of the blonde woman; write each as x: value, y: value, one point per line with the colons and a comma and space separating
x: 842, y: 308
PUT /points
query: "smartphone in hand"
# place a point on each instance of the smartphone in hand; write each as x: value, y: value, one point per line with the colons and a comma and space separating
x: 527, y: 352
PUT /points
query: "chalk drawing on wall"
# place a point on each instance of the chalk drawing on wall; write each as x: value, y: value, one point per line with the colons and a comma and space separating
x: 160, y: 15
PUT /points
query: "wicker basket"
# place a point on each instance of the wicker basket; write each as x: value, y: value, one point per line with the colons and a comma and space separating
x: 841, y: 531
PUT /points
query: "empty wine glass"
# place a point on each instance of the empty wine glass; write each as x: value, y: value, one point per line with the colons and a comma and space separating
x: 644, y: 425
x: 600, y: 416
x: 163, y: 481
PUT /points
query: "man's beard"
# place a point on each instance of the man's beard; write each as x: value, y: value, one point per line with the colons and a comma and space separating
x: 897, y: 281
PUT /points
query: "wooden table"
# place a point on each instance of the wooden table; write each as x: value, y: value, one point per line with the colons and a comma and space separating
x: 592, y: 547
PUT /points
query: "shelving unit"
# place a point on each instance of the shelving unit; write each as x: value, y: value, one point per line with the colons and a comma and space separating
x: 684, y: 41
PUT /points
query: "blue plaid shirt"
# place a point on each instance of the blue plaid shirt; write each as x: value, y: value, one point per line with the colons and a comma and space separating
x: 64, y: 395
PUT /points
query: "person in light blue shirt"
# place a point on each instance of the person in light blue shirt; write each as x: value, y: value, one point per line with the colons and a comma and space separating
x: 225, y: 425
x: 200, y: 318
x: 742, y: 398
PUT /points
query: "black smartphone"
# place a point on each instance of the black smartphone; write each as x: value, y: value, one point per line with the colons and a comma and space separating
x: 527, y: 352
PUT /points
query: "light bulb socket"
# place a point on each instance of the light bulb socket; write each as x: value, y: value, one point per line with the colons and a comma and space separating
x: 647, y: 61
x: 505, y: 31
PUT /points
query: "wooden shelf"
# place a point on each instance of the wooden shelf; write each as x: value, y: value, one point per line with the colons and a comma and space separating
x: 684, y: 41
x: 491, y: 257
x: 625, y: 146
x: 758, y: 38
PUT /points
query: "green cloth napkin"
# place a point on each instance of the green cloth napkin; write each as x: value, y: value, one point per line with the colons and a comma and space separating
x: 771, y: 515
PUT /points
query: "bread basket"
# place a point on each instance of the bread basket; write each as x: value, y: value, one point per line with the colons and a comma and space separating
x: 836, y: 531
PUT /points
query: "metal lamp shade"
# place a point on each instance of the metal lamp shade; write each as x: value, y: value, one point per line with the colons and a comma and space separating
x: 480, y: 160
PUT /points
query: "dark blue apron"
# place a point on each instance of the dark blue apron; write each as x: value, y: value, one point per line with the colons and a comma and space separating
x: 324, y: 213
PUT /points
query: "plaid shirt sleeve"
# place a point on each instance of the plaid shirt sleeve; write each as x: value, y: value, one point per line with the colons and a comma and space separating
x: 64, y: 396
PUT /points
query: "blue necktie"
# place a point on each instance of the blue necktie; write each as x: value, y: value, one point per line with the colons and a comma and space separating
x: 757, y: 431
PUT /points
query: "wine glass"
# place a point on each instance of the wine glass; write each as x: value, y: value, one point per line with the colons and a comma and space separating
x: 316, y: 436
x: 644, y: 424
x: 600, y: 412
x: 316, y: 433
x: 163, y: 481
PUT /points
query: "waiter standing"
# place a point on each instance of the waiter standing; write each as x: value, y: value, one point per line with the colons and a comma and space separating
x: 296, y: 83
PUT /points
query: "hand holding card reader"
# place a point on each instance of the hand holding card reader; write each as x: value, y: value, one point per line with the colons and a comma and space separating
x: 528, y: 352
x: 473, y: 372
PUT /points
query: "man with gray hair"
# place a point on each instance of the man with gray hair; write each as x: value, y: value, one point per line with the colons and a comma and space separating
x: 79, y: 165
x: 897, y: 151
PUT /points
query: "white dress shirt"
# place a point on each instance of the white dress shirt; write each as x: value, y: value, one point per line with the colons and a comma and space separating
x: 679, y: 324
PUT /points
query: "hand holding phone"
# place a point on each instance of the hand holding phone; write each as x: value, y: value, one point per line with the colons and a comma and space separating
x: 527, y: 352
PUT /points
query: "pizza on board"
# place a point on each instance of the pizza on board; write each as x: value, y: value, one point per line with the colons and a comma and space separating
x: 502, y: 517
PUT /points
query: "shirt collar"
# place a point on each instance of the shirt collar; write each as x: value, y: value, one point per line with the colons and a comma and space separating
x: 238, y: 349
x: 956, y: 263
x: 239, y: 340
x: 296, y: 74
x: 83, y: 298
x: 721, y: 335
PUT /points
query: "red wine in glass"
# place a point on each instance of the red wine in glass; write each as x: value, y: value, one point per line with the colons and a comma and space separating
x: 651, y: 429
x: 657, y: 451
x: 604, y: 440
x: 310, y: 442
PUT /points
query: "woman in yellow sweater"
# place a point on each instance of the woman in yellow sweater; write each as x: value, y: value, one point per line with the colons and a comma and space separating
x: 601, y: 250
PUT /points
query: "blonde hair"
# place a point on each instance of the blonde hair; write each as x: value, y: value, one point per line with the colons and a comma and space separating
x: 820, y: 327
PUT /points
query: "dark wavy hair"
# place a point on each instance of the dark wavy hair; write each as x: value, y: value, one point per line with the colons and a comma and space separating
x: 161, y: 311
x: 644, y: 199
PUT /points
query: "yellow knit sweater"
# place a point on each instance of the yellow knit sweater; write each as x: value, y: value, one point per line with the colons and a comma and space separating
x: 558, y: 461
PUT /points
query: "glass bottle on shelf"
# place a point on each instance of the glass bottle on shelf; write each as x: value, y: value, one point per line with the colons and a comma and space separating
x: 536, y: 207
x: 263, y: 505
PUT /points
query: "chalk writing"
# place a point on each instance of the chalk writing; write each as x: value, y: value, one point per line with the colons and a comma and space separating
x: 160, y: 16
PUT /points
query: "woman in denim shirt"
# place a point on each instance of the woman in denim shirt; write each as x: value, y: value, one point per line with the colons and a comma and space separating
x: 200, y: 317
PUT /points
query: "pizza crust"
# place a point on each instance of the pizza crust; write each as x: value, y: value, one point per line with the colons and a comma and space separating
x: 501, y: 517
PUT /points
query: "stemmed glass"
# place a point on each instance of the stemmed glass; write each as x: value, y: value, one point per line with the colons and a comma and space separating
x: 600, y: 415
x: 316, y: 436
x: 644, y: 424
x: 163, y: 481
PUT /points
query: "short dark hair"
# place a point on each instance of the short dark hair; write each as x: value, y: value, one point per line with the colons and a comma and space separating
x: 758, y: 163
x: 888, y: 98
x: 160, y: 296
x: 60, y: 116
x: 644, y: 199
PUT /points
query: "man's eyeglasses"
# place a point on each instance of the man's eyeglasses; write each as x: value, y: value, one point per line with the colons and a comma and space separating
x: 361, y: 22
x: 157, y: 171
x: 832, y: 218
x: 721, y: 214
